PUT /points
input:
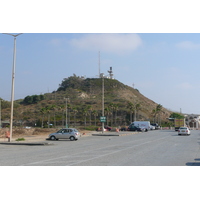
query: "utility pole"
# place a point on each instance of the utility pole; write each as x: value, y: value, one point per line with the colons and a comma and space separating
x: 13, y: 84
x: 99, y: 65
x: 0, y: 114
x: 66, y: 113
x: 103, y: 101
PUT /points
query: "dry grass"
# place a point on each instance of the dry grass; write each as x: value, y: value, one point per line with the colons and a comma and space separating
x: 27, y: 132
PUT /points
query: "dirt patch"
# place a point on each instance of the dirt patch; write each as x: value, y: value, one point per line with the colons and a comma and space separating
x: 33, y: 132
x: 20, y: 132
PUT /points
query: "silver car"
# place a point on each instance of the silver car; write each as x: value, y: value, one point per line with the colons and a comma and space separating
x: 65, y: 133
x: 183, y: 131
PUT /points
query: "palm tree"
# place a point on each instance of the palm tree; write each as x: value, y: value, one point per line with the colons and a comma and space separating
x: 159, y: 109
x: 137, y: 108
x: 115, y: 108
x: 62, y: 108
x: 156, y: 112
x: 95, y: 114
x: 131, y: 107
x: 54, y: 108
x: 75, y: 111
x: 107, y: 112
x: 85, y: 114
x: 69, y: 109
x: 48, y: 111
x: 90, y: 111
x: 111, y: 107
x: 43, y: 111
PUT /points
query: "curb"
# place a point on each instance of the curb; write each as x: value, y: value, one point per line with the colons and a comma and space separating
x: 26, y: 143
x: 120, y: 134
x: 105, y: 134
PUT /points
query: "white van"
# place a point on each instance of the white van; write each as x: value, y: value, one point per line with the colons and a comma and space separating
x: 142, y: 124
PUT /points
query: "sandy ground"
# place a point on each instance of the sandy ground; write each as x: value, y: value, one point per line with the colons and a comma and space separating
x: 34, y: 135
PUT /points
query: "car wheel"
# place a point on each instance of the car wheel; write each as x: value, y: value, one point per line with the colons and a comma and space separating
x: 53, y: 137
x: 72, y: 138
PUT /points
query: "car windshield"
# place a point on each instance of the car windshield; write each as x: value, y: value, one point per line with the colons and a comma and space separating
x: 183, y: 128
x: 60, y: 131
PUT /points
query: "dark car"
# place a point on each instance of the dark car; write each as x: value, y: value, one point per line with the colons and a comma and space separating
x: 123, y: 129
x: 134, y: 128
x: 107, y: 128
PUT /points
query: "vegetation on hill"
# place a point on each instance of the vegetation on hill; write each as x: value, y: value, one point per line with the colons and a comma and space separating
x: 83, y: 98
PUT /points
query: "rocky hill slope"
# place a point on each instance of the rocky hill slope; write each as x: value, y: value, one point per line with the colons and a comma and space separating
x: 122, y: 105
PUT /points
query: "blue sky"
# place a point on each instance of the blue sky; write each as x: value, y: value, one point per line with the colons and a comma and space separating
x: 162, y: 66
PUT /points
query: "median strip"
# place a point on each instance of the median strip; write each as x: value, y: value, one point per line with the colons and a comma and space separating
x: 113, y: 134
x: 27, y: 143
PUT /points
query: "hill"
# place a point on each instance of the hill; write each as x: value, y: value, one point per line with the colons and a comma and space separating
x: 123, y: 104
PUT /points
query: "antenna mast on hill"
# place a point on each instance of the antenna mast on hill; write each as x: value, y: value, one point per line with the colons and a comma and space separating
x: 99, y: 66
x: 111, y: 73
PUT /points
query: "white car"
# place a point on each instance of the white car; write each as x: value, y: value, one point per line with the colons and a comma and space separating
x: 65, y: 133
x: 183, y: 131
x: 152, y: 127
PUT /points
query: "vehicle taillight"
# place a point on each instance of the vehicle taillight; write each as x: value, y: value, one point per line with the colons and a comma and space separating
x: 178, y: 130
x: 76, y: 133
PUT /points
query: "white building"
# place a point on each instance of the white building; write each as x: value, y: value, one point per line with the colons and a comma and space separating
x: 192, y: 121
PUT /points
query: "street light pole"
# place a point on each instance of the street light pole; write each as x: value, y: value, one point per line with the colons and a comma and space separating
x: 103, y: 101
x: 0, y: 113
x: 13, y: 84
x: 66, y: 113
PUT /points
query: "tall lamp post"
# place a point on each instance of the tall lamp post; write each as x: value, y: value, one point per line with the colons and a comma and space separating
x: 13, y: 84
x: 102, y: 101
x: 67, y: 99
x: 0, y: 113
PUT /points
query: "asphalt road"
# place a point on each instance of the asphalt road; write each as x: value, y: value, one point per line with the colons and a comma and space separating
x: 153, y: 148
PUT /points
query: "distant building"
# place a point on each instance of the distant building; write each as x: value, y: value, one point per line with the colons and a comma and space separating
x: 5, y: 123
x: 193, y: 121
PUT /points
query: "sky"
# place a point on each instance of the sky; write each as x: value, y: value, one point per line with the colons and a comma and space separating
x: 153, y: 49
x: 164, y: 67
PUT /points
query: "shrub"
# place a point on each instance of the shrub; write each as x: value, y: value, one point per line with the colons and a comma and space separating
x: 20, y: 139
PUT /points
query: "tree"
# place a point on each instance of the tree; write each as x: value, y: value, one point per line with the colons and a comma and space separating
x: 159, y: 109
x: 33, y: 99
x: 95, y: 114
x: 115, y: 108
x: 85, y: 114
x: 176, y: 115
x: 131, y: 107
x: 111, y: 108
x: 62, y: 108
x: 90, y: 111
x: 43, y: 111
x: 54, y: 108
x: 69, y: 107
x: 107, y: 113
x: 71, y: 82
x: 137, y: 108
x: 156, y: 112
x: 75, y: 111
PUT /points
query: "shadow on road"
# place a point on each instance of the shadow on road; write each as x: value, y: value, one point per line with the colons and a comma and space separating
x: 195, y: 163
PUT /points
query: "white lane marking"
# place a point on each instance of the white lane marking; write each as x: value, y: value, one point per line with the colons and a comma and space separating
x: 95, y: 157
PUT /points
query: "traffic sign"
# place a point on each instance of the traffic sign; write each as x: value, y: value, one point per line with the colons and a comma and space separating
x: 102, y: 119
